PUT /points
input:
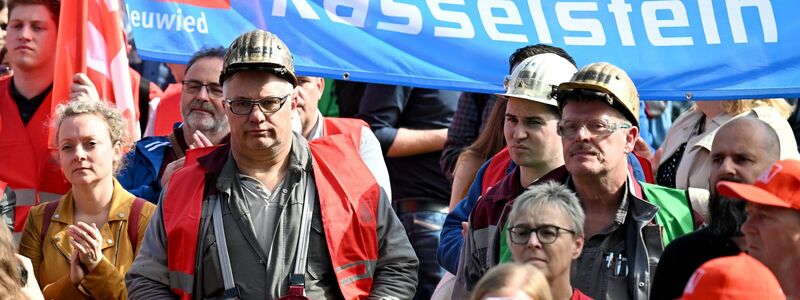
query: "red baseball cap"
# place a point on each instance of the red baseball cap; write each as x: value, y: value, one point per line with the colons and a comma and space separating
x: 733, y: 278
x: 779, y: 186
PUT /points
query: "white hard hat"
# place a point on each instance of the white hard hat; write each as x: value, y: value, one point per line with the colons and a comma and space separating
x: 537, y: 77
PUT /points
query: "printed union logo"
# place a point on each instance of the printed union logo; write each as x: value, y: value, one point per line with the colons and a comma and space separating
x: 224, y: 4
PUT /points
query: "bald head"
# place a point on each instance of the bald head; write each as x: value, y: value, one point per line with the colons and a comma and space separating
x: 742, y: 149
x: 752, y: 129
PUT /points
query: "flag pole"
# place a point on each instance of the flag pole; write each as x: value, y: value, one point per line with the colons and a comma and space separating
x: 82, y: 35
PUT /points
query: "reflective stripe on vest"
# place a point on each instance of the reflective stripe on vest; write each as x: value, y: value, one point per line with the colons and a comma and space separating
x: 496, y: 170
x: 26, y: 199
x: 348, y: 196
x: 182, y: 208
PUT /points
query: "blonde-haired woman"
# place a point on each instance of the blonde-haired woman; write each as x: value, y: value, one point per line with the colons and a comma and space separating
x: 683, y: 159
x: 513, y: 281
x: 82, y: 245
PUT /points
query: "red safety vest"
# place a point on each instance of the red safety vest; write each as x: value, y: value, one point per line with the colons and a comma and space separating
x: 496, y: 170
x: 348, y: 196
x: 344, y: 126
x: 168, y: 111
x: 26, y: 163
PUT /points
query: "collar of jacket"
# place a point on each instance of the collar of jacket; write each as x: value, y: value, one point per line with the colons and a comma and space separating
x: 214, y: 163
x: 120, y: 205
x: 121, y: 201
x: 642, y: 211
x: 509, y: 187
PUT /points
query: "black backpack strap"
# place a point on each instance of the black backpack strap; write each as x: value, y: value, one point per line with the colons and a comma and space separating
x: 133, y: 221
x: 49, y: 210
x: 144, y: 102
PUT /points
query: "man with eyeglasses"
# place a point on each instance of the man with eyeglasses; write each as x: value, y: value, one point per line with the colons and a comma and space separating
x: 627, y: 222
x: 530, y: 132
x: 271, y: 215
x: 154, y: 159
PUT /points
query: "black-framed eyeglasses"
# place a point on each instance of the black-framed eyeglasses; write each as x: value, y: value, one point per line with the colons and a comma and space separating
x: 267, y: 105
x: 192, y: 87
x: 597, y: 127
x: 546, y: 234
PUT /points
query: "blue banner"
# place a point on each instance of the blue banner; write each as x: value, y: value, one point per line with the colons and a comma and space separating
x: 673, y: 50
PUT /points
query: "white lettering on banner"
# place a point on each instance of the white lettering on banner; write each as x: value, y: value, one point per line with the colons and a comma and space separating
x: 537, y: 14
x: 394, y: 9
x: 709, y: 21
x: 581, y: 20
x: 168, y: 21
x: 597, y: 36
x: 620, y: 9
x: 491, y: 21
x: 465, y: 29
x: 303, y: 8
x: 653, y: 25
x: 764, y: 12
x: 358, y: 13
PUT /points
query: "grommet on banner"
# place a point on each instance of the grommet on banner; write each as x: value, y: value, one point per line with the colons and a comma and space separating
x: 346, y: 76
x: 689, y: 96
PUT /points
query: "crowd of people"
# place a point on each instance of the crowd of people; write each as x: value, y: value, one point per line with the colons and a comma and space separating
x: 560, y: 187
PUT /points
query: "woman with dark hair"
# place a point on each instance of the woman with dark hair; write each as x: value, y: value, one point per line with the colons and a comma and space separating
x: 489, y: 142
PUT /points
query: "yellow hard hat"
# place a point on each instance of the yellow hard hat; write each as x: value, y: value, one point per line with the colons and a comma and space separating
x: 608, y: 80
x: 259, y: 50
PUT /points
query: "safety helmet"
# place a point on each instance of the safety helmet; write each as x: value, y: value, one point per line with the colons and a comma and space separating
x: 537, y: 77
x: 607, y: 81
x: 259, y: 50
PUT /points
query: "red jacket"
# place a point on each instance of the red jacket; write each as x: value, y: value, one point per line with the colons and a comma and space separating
x: 26, y: 163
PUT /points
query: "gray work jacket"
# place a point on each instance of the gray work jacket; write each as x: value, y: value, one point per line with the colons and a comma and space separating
x: 261, y: 275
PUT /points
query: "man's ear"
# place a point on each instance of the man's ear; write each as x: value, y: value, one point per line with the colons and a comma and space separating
x: 630, y: 139
x: 320, y: 85
x: 293, y: 99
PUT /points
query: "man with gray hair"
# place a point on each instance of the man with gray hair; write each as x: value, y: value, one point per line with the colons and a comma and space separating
x: 546, y: 231
x: 270, y: 214
x: 735, y: 157
x: 155, y: 158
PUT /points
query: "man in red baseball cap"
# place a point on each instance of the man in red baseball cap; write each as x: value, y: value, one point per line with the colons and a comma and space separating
x: 733, y: 278
x: 772, y: 229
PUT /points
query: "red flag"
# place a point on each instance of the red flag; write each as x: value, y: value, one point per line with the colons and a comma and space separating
x: 90, y: 40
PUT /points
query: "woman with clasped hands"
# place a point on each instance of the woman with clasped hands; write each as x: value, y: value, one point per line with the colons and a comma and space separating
x: 81, y: 246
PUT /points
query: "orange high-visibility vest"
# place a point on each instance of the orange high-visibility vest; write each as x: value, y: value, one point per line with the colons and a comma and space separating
x: 348, y: 196
x: 26, y: 163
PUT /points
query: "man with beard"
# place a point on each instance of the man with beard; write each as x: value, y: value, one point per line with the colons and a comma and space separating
x: 734, y: 157
x: 154, y: 159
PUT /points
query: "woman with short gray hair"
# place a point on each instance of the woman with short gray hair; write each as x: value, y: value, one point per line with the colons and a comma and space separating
x: 545, y: 229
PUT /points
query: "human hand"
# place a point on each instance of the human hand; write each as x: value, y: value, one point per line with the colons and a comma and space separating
x: 170, y: 169
x: 76, y: 269
x: 642, y: 149
x: 200, y: 140
x: 87, y: 242
x: 82, y: 88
